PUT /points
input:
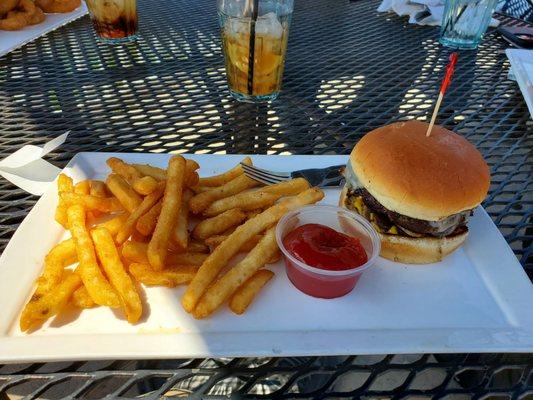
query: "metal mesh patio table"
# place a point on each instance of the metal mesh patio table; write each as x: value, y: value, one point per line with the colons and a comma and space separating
x: 349, y: 70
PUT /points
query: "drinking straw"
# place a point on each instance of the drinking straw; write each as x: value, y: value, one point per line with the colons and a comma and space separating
x: 253, y: 8
x: 459, y: 14
x: 445, y: 83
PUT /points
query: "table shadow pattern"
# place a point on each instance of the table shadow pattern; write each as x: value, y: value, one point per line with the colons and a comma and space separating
x: 413, y: 376
x: 349, y: 70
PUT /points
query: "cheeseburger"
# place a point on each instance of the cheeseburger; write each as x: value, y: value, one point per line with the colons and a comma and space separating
x: 417, y: 191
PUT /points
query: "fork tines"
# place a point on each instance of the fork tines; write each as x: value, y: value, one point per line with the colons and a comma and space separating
x: 264, y: 176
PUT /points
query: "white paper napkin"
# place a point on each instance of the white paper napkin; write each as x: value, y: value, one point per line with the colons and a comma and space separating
x: 421, y: 12
x: 522, y: 71
x: 26, y: 169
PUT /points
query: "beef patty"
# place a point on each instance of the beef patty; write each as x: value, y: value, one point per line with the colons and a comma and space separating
x: 385, y: 219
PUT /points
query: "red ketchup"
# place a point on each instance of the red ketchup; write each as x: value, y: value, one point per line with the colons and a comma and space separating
x: 324, y: 248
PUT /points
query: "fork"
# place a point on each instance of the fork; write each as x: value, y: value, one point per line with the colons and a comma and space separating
x: 322, y: 177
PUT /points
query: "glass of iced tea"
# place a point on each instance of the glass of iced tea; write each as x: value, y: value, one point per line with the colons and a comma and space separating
x: 115, y: 21
x: 254, y: 42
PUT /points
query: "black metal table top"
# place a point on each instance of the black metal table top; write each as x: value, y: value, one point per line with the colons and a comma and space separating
x: 348, y: 70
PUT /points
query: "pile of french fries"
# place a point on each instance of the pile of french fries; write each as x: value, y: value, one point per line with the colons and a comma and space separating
x: 134, y: 229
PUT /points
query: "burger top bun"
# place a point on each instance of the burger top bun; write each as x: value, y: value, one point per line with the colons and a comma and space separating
x: 428, y: 178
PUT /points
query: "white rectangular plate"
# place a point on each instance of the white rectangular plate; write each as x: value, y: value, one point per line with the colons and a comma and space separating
x: 477, y: 300
x: 11, y: 40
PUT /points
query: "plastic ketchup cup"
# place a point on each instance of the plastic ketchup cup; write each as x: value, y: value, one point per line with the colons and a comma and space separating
x: 321, y: 282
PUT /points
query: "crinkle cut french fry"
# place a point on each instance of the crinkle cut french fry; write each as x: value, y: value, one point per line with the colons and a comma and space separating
x: 219, y: 180
x: 215, y: 240
x: 136, y: 236
x: 229, y: 231
x: 136, y: 252
x: 123, y: 192
x: 56, y: 260
x: 180, y: 233
x: 260, y: 198
x: 191, y: 178
x: 63, y: 254
x: 186, y: 258
x: 98, y: 189
x: 228, y: 284
x: 64, y: 184
x: 170, y: 277
x: 81, y: 299
x: 192, y: 165
x: 126, y: 171
x: 197, y: 247
x: 149, y: 170
x: 119, y: 278
x: 83, y: 187
x: 276, y: 257
x: 145, y: 185
x: 253, y: 213
x: 227, y: 249
x: 35, y: 313
x: 193, y: 246
x: 215, y: 225
x: 287, y: 188
x: 199, y: 189
x: 203, y: 200
x: 105, y: 205
x: 147, y: 203
x: 246, y: 201
x: 94, y: 280
x: 146, y: 224
x: 244, y: 296
x: 114, y: 224
x: 158, y: 246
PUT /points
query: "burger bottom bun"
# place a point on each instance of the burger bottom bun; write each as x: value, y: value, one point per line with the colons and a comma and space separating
x: 411, y: 250
x: 422, y: 250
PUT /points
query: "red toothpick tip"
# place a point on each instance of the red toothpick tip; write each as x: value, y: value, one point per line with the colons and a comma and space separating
x: 450, y: 68
x: 449, y: 72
